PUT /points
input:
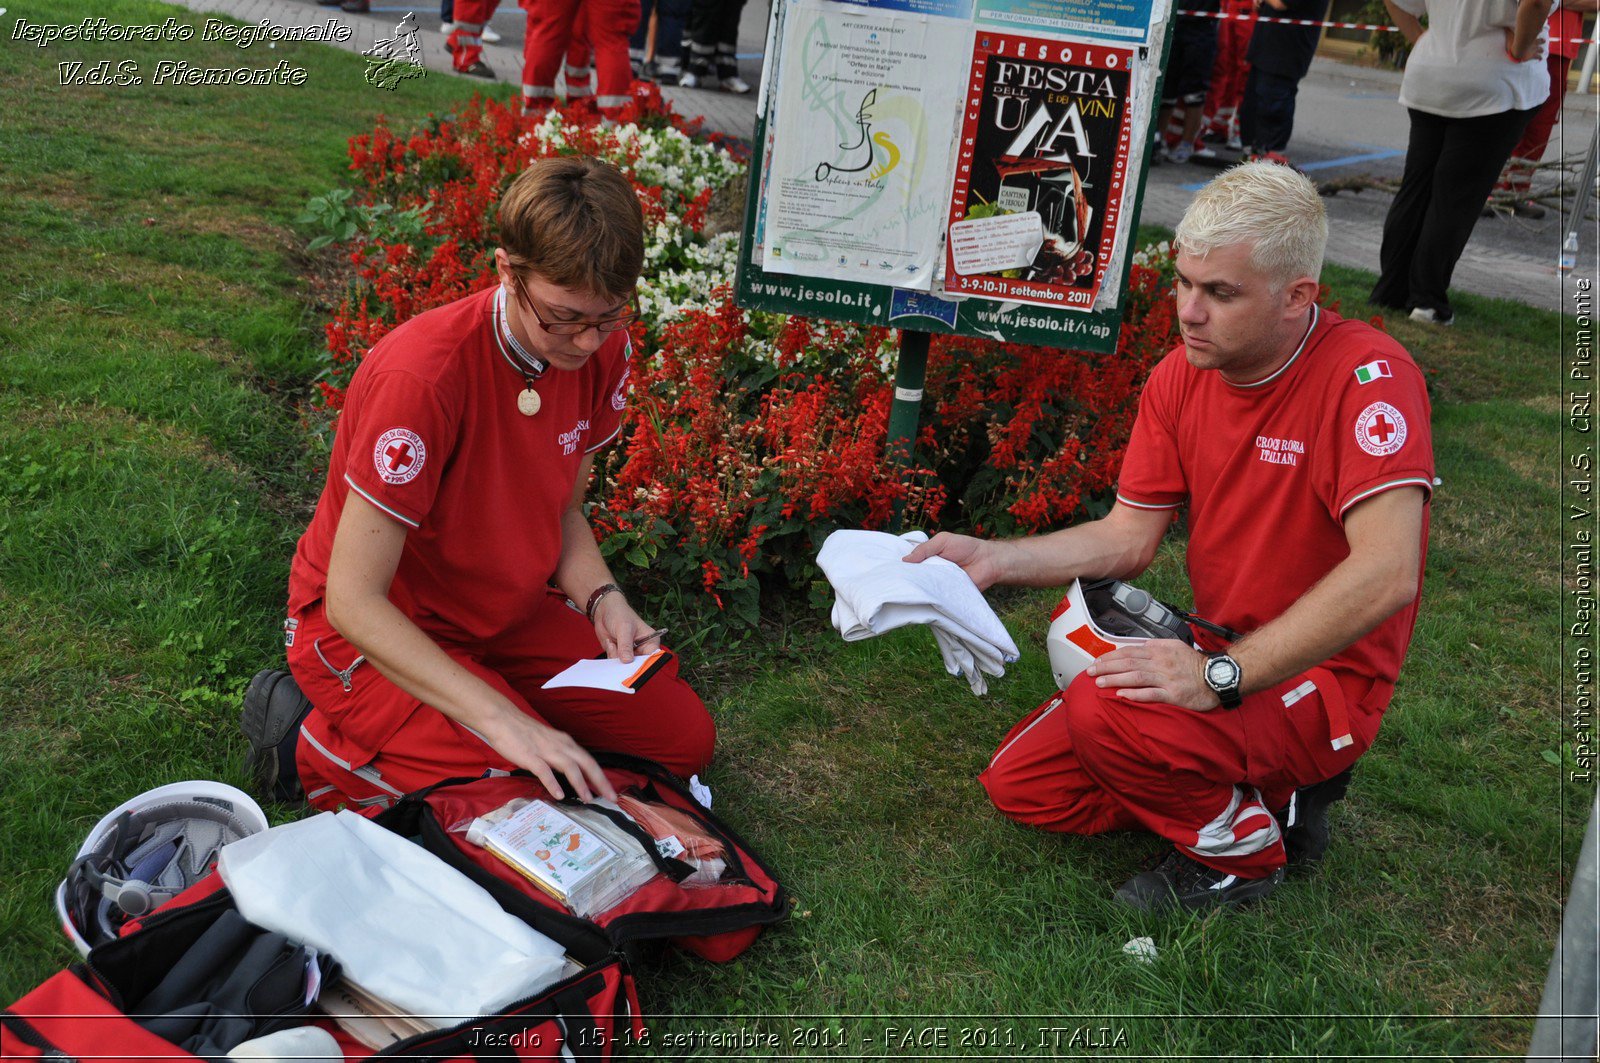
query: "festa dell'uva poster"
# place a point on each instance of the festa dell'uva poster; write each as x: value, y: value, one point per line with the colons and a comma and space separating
x: 1041, y: 170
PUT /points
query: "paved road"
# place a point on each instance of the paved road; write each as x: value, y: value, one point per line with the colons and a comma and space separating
x: 1349, y: 123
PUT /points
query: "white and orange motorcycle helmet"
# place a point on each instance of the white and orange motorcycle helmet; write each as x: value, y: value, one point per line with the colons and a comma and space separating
x: 1097, y: 616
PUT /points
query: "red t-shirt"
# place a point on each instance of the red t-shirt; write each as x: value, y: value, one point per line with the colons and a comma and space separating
x: 431, y: 434
x: 1269, y: 469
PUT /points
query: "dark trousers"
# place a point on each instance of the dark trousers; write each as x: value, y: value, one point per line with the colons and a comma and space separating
x: 1451, y: 166
x: 1267, y: 118
x: 713, y: 34
x: 669, y: 33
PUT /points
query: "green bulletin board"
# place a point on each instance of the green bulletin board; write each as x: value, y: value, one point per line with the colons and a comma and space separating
x: 1011, y: 73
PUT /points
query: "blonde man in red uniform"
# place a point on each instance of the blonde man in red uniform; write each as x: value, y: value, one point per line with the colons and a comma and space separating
x: 1299, y: 445
x: 430, y: 598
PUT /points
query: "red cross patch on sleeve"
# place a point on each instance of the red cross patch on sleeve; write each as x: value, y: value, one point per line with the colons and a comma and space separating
x: 399, y: 456
x: 1380, y: 429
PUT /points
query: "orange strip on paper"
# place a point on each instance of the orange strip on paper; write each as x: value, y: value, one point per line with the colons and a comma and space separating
x: 644, y: 666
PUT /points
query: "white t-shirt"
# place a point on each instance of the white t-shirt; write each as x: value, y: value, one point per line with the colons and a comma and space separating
x: 1459, y: 67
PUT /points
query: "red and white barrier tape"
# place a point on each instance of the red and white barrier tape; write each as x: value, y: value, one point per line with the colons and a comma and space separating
x: 1253, y: 17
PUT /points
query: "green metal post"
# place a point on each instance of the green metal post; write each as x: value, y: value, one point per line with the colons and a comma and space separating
x: 909, y: 376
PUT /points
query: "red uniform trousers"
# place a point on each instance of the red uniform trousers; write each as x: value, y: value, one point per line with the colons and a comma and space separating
x: 1088, y: 761
x: 1230, y: 72
x: 578, y: 71
x: 1530, y: 149
x: 368, y: 742
x: 465, y: 43
x: 552, y: 25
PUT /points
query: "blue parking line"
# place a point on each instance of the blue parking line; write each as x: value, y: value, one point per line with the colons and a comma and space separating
x: 1351, y: 160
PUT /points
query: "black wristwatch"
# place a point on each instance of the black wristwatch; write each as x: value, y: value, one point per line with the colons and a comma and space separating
x: 1222, y: 676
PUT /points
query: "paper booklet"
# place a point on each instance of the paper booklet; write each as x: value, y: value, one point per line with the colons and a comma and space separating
x: 374, y: 1022
x: 575, y: 855
x: 378, y: 1024
x: 604, y: 673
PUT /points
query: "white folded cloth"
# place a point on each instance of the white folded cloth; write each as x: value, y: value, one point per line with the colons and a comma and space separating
x: 404, y: 925
x: 875, y: 591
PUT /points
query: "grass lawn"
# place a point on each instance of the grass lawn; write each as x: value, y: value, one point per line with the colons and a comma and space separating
x: 157, y: 333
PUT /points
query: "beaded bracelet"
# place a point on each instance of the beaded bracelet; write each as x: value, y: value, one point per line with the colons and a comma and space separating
x: 594, y: 599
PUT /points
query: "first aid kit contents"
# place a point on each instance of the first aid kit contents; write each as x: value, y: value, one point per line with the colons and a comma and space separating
x: 586, y: 857
x: 875, y: 590
x: 709, y: 892
x: 575, y: 855
x: 341, y: 937
x: 234, y: 984
x: 406, y: 929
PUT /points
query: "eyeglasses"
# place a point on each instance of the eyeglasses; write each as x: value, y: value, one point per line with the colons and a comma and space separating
x: 572, y: 328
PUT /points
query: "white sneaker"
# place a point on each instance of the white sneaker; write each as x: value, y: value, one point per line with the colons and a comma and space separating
x: 1203, y: 153
x: 490, y: 36
x: 736, y: 85
x: 1235, y: 144
x: 1180, y: 154
x: 690, y: 80
x: 1429, y: 316
x: 447, y: 28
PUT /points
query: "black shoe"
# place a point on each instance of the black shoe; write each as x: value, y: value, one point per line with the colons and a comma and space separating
x: 1527, y: 208
x: 273, y: 711
x: 1177, y: 881
x: 1305, y: 820
x: 479, y: 69
x: 356, y: 7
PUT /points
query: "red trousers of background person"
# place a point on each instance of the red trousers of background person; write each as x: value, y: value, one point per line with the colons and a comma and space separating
x: 368, y: 742
x: 1230, y: 71
x: 465, y: 42
x: 1536, y: 138
x: 552, y: 25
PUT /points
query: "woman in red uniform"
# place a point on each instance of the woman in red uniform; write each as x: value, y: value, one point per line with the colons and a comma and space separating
x: 449, y: 570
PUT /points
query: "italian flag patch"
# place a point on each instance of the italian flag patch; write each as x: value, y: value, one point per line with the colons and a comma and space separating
x: 1366, y: 374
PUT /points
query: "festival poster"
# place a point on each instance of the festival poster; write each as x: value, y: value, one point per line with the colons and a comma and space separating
x: 1122, y: 21
x: 859, y: 174
x: 1041, y: 171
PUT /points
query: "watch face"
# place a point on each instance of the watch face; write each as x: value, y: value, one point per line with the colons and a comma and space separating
x: 1222, y: 672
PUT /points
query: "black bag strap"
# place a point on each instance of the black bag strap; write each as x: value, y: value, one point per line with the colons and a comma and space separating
x: 23, y: 1031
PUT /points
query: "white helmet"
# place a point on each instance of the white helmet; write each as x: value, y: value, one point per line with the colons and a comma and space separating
x: 146, y: 851
x: 1097, y: 616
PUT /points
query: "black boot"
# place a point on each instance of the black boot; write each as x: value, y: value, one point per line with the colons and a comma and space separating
x: 273, y: 711
x: 1305, y: 820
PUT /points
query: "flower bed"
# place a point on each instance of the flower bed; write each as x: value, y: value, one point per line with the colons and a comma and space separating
x: 749, y: 436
